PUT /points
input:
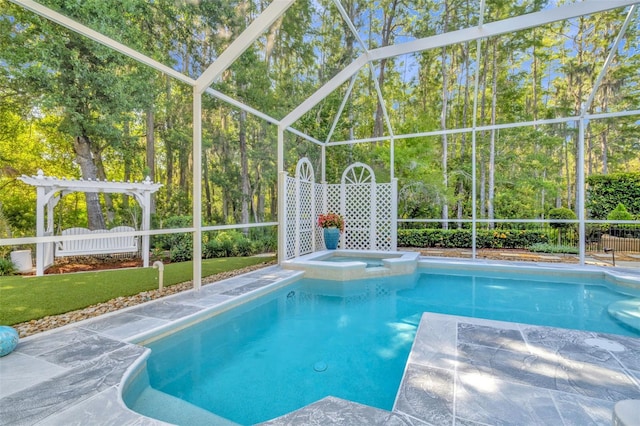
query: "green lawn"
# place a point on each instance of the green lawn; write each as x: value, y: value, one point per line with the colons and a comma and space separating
x: 26, y: 298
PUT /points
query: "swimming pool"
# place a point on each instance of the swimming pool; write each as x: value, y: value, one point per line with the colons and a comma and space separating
x: 351, y: 340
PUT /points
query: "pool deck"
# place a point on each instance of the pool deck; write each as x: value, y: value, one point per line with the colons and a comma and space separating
x: 461, y: 371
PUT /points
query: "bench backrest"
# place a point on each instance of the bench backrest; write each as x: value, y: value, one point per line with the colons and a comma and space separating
x: 104, y: 244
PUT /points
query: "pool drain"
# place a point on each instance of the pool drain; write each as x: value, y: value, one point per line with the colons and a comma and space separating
x: 320, y: 366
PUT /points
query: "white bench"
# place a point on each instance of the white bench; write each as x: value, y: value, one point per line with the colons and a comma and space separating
x: 102, y: 245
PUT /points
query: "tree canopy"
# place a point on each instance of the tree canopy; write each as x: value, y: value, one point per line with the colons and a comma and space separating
x: 74, y: 108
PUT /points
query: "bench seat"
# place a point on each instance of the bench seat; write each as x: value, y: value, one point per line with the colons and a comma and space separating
x: 102, y: 245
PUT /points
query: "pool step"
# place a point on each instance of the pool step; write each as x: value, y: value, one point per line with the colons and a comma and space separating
x: 165, y: 407
x: 626, y: 413
x: 627, y: 312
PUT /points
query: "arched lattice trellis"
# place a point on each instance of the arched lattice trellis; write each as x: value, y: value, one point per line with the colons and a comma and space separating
x: 369, y: 209
x: 305, y: 207
x: 358, y: 206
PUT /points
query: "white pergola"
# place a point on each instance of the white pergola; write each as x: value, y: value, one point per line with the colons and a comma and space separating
x: 49, y: 191
x: 276, y: 9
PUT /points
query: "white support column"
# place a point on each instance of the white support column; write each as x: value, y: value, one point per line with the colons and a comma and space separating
x: 323, y: 175
x: 197, y: 189
x: 392, y: 157
x: 394, y: 214
x: 343, y: 211
x: 282, y: 199
x: 314, y: 214
x: 381, y: 100
x: 580, y: 193
x: 282, y: 217
x: 341, y: 109
x: 474, y: 189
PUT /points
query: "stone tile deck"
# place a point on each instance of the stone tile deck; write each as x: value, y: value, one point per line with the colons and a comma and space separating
x: 461, y: 371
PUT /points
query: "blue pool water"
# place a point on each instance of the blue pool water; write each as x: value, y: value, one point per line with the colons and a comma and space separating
x: 351, y: 340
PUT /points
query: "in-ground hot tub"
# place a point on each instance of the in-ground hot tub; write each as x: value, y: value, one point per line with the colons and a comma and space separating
x: 342, y: 265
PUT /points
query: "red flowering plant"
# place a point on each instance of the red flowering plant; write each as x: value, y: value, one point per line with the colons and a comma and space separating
x: 331, y: 220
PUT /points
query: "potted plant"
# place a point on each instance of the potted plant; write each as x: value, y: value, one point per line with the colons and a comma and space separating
x: 333, y: 225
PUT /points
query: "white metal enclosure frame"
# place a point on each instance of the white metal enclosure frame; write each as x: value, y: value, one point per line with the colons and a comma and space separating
x: 273, y: 12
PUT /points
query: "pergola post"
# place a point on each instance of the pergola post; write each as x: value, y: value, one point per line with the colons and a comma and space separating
x: 146, y: 225
x: 40, y: 205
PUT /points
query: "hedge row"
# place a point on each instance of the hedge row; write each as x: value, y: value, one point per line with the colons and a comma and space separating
x: 461, y: 238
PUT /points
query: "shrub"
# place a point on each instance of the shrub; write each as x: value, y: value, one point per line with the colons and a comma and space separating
x: 6, y: 267
x: 604, y: 192
x: 619, y: 213
x: 562, y: 213
x: 182, y: 252
x: 244, y: 247
x: 168, y: 241
x: 551, y: 248
x: 462, y: 238
x: 266, y: 244
x: 213, y: 249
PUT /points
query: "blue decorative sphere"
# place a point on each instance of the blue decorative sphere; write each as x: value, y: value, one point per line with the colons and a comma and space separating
x: 8, y: 340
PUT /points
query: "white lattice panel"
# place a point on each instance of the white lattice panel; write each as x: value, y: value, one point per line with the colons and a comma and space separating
x: 383, y: 217
x: 305, y: 218
x: 359, y: 213
x: 333, y: 198
x: 319, y: 191
x: 290, y: 191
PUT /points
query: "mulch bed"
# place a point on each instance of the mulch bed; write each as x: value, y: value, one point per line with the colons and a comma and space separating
x: 81, y: 264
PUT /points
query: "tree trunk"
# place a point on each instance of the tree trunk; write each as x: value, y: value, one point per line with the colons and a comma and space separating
x: 604, y: 147
x: 97, y: 160
x: 127, y: 160
x: 207, y: 187
x: 82, y: 148
x: 151, y: 153
x: 168, y: 148
x: 387, y: 31
x: 273, y: 198
x: 483, y: 191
